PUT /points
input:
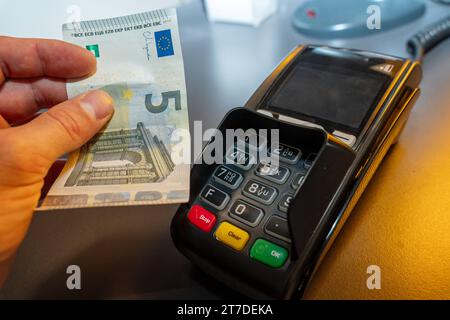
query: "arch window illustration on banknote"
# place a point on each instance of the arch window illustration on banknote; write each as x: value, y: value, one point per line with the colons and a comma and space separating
x: 122, y: 157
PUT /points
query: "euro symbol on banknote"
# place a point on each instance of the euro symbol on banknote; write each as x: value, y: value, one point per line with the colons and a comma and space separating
x: 166, y: 96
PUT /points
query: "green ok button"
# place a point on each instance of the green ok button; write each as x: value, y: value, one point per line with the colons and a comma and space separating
x: 268, y: 253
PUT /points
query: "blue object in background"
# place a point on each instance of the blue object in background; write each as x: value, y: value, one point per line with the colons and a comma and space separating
x: 348, y: 18
x: 164, y: 44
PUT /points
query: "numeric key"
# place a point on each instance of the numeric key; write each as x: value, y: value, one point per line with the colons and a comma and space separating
x: 246, y: 213
x: 285, y: 201
x: 260, y: 192
x: 278, y: 228
x: 239, y: 158
x: 227, y: 177
x: 215, y: 197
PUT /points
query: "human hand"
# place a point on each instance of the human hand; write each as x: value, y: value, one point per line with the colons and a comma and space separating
x: 33, y: 74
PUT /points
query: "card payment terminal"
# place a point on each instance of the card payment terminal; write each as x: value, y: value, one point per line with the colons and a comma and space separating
x: 263, y: 230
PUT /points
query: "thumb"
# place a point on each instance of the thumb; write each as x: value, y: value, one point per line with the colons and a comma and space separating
x: 69, y: 125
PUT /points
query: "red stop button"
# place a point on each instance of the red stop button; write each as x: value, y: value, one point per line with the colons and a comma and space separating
x: 201, y: 218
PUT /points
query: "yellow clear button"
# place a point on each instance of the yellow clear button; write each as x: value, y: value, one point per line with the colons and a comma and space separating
x: 231, y: 235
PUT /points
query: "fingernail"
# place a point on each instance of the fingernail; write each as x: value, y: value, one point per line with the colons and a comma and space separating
x: 98, y: 104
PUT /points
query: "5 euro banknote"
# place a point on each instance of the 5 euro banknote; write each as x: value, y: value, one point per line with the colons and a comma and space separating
x: 141, y: 156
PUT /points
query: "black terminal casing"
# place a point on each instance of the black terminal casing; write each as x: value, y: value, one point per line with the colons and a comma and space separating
x: 332, y: 186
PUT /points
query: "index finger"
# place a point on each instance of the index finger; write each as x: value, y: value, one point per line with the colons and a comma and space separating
x: 29, y: 58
